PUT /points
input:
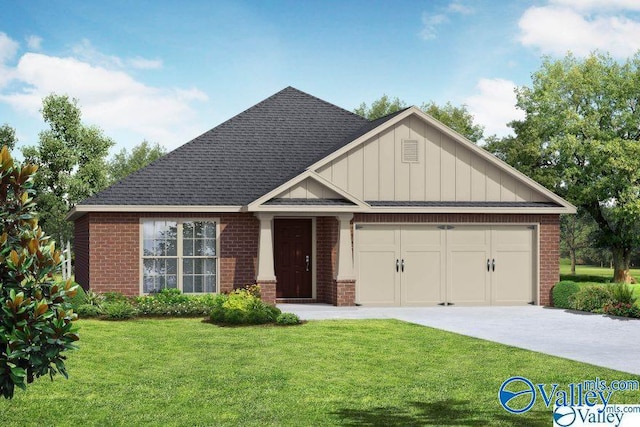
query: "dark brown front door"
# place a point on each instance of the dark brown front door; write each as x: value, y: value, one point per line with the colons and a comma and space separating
x: 292, y: 241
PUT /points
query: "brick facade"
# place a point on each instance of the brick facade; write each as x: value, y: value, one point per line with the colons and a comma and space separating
x: 107, y: 248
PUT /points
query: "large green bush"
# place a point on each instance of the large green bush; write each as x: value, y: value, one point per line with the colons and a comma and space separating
x: 562, y: 291
x: 35, y: 313
x: 591, y: 298
x: 242, y: 307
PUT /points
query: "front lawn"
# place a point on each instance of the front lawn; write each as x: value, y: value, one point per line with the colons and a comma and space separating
x: 377, y: 372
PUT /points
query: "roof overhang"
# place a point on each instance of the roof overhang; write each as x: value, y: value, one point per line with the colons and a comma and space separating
x: 80, y: 210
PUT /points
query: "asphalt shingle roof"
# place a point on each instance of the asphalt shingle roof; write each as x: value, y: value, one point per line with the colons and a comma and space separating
x: 244, y: 157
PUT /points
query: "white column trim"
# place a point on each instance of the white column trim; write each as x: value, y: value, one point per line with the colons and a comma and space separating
x: 266, y: 270
x: 344, y: 270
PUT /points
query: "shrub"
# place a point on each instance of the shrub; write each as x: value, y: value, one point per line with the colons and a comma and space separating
x: 88, y: 310
x: 94, y: 298
x: 78, y: 299
x: 287, y: 319
x: 35, y: 313
x: 622, y: 293
x: 242, y: 307
x: 581, y: 278
x: 622, y: 309
x: 591, y: 298
x: 114, y: 297
x: 119, y: 310
x: 174, y: 304
x: 562, y: 291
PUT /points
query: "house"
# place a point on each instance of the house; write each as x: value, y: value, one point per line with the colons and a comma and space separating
x: 317, y: 204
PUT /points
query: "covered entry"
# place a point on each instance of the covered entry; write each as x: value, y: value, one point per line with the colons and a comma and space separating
x: 427, y: 264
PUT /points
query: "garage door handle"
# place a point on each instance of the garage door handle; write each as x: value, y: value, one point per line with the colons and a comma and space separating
x: 488, y: 264
x: 397, y: 265
x: 493, y: 264
x: 402, y: 265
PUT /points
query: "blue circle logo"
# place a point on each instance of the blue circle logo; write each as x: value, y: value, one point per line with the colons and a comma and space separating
x: 564, y: 416
x: 513, y: 388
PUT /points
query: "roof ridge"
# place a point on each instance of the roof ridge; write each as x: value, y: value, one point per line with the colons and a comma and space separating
x: 322, y: 100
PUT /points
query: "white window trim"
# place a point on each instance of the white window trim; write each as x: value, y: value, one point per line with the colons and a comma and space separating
x: 179, y: 256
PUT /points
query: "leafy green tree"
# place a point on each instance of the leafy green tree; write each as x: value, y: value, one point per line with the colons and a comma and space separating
x: 124, y: 163
x: 71, y: 160
x: 8, y: 136
x: 576, y: 234
x: 35, y: 313
x: 583, y: 118
x: 457, y: 118
x: 380, y: 107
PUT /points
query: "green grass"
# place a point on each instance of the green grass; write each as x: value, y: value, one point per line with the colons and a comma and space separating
x: 594, y: 271
x: 179, y: 372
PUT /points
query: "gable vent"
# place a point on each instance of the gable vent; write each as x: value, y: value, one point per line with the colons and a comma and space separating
x: 410, y: 151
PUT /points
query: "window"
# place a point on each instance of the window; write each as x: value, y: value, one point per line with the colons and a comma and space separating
x: 179, y: 254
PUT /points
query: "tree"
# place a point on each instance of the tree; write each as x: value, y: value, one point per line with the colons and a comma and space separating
x: 8, y: 136
x: 457, y: 118
x: 71, y: 160
x: 124, y: 163
x: 35, y: 313
x: 583, y: 118
x: 380, y: 108
x: 576, y: 234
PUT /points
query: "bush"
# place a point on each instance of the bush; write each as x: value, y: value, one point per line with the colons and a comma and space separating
x: 78, y: 299
x: 88, y: 310
x: 562, y: 291
x: 242, y: 307
x: 581, y: 278
x: 35, y: 312
x: 94, y: 298
x: 287, y: 319
x: 114, y: 297
x: 591, y: 298
x: 622, y: 293
x: 118, y: 310
x: 170, y: 302
x: 622, y: 309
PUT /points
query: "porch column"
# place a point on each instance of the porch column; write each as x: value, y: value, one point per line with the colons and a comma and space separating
x: 345, y: 289
x: 266, y: 277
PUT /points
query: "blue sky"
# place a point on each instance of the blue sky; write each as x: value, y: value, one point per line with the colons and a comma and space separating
x: 166, y: 71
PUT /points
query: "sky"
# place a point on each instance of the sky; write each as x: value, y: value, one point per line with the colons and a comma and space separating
x: 167, y: 71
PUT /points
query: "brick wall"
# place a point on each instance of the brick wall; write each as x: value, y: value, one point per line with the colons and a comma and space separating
x: 549, y: 245
x: 326, y: 256
x: 107, y: 249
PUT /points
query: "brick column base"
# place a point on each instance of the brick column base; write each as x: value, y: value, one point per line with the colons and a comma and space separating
x: 267, y: 291
x: 345, y: 293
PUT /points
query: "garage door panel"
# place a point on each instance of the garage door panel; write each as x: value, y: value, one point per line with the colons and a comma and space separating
x: 377, y: 278
x: 512, y: 278
x: 467, y: 277
x: 422, y: 281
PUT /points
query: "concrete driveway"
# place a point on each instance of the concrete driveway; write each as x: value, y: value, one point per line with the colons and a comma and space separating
x: 592, y: 338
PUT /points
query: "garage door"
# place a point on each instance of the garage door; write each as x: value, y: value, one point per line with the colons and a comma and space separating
x: 425, y: 265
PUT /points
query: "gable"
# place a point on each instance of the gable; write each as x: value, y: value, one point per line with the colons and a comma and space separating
x: 309, y: 189
x: 435, y: 166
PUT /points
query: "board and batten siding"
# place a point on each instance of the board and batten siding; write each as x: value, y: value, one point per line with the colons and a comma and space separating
x: 445, y: 171
x: 308, y: 189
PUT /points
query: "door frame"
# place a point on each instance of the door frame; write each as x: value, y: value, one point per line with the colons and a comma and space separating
x: 535, y: 245
x: 313, y: 250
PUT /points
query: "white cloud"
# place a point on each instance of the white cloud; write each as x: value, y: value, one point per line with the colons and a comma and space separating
x: 557, y: 29
x: 430, y: 24
x: 34, y: 42
x: 494, y: 105
x: 8, y: 50
x: 108, y: 96
x: 145, y: 64
x: 457, y: 7
x: 599, y: 4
